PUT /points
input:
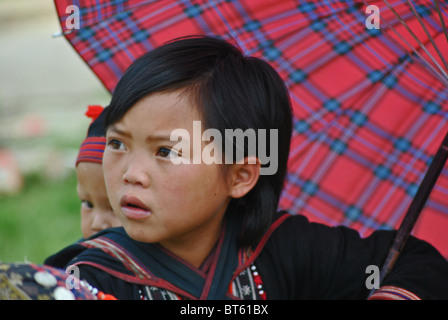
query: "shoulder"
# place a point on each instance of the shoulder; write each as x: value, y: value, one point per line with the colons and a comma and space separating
x: 299, y: 228
x: 337, y: 257
x: 97, y: 261
x: 83, y: 247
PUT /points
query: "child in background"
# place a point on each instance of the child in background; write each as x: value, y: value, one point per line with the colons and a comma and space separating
x: 210, y: 230
x: 96, y: 212
x: 38, y: 282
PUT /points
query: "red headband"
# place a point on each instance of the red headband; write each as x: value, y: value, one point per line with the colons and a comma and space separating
x: 92, y: 150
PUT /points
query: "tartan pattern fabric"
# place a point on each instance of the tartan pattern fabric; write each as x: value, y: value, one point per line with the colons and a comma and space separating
x: 368, y: 114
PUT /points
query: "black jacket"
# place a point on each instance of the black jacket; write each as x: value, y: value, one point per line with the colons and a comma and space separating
x: 296, y: 260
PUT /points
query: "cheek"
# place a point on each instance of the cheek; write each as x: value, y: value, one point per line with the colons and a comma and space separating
x: 110, y: 175
x: 111, y: 181
x: 85, y: 223
x: 194, y: 187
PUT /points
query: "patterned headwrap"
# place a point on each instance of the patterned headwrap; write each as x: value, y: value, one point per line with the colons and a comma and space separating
x: 92, y: 148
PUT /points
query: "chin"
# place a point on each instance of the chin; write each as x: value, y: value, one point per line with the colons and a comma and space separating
x: 139, y: 234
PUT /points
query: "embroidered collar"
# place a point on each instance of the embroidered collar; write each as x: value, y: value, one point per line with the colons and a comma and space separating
x: 150, y: 265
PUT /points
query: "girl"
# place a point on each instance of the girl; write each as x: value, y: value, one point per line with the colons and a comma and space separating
x: 211, y: 231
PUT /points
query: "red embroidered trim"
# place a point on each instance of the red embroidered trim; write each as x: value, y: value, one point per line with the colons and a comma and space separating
x: 104, y: 296
x: 258, y: 283
x: 393, y: 293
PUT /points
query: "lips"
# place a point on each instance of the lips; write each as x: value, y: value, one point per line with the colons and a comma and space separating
x: 133, y: 208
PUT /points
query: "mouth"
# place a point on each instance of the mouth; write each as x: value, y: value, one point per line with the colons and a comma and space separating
x: 134, y: 208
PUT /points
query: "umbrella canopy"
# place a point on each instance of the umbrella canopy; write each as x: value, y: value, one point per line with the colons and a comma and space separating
x: 368, y: 85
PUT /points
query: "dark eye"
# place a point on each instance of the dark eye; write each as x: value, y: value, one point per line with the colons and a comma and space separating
x: 115, y: 144
x: 164, y: 152
x: 167, y: 153
x: 87, y: 204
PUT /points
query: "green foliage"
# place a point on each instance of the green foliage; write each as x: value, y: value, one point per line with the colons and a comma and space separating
x: 40, y: 220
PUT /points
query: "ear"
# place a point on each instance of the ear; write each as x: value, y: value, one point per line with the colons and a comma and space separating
x: 244, y: 174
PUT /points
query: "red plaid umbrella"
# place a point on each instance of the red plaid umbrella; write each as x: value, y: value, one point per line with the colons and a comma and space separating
x: 370, y: 99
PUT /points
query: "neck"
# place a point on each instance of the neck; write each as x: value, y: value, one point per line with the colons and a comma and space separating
x: 196, y: 249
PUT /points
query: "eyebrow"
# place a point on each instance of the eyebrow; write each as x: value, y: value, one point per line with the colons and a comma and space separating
x: 118, y: 131
x: 149, y: 138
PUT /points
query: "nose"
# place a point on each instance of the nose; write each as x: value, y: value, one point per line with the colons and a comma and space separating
x: 136, y: 172
x: 100, y: 221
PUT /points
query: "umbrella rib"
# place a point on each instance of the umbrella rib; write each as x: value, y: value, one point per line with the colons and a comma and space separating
x: 442, y: 21
x: 444, y: 74
x: 437, y: 74
x: 415, y: 38
x: 427, y: 33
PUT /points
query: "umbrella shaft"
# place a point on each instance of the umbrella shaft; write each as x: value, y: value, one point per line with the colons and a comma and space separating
x: 415, y: 208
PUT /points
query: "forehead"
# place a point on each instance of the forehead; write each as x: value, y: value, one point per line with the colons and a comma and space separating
x: 161, y: 111
x: 90, y: 177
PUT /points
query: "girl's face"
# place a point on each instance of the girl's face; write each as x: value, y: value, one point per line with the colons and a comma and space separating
x: 179, y: 206
x: 96, y: 212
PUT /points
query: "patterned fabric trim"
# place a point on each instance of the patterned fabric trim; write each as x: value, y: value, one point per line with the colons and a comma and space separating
x: 155, y: 293
x: 246, y: 286
x: 119, y: 253
x: 393, y: 293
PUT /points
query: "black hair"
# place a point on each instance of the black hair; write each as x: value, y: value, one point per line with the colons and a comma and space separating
x: 231, y: 91
x: 96, y: 128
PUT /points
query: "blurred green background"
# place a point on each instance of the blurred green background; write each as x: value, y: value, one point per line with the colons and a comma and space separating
x: 44, y: 91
